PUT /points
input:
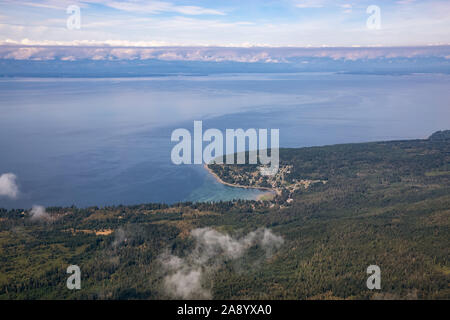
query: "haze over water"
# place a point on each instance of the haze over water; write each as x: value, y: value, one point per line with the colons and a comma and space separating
x: 107, y: 141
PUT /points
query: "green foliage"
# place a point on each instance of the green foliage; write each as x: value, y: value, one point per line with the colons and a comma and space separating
x: 384, y: 203
x: 440, y: 136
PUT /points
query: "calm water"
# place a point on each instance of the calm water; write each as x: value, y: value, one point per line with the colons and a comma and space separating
x: 107, y: 141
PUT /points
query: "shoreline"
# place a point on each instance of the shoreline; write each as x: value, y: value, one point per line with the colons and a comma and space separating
x: 269, y: 191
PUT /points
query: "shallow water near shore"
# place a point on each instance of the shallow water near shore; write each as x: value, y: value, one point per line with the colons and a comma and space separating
x: 107, y: 141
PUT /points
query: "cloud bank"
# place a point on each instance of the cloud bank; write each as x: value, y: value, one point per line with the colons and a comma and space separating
x: 187, y: 277
x: 8, y: 186
x: 213, y: 54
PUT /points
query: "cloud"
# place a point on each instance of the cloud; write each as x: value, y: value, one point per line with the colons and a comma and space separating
x: 155, y: 7
x: 38, y: 213
x: 8, y: 185
x: 189, y: 277
x: 186, y: 282
x: 135, y: 6
x: 310, y: 4
x: 45, y: 4
x: 405, y: 2
x: 279, y: 23
x: 214, y: 54
x: 120, y: 236
x: 23, y: 53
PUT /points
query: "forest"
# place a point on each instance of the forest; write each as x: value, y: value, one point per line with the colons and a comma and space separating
x: 383, y: 203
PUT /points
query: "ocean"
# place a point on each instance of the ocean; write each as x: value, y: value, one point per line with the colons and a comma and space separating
x: 99, y: 142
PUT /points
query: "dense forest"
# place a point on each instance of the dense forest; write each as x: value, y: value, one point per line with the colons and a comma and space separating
x: 383, y: 203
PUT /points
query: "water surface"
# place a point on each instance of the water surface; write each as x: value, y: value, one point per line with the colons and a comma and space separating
x: 107, y: 141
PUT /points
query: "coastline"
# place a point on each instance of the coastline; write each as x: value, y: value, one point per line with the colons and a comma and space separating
x: 269, y: 191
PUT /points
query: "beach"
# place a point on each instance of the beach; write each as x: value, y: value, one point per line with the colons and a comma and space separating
x: 270, y: 194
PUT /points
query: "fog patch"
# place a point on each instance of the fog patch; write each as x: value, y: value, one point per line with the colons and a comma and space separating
x: 190, y: 277
x: 8, y: 186
x: 119, y: 237
x: 38, y: 213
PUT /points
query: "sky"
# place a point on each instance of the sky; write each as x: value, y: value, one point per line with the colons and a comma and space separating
x: 230, y: 23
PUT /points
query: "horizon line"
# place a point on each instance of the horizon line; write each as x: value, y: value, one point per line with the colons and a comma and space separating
x: 108, y: 45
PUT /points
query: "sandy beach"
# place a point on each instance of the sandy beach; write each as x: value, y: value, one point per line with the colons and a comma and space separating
x: 266, y: 195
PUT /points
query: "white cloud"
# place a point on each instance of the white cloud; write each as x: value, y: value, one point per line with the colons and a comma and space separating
x: 213, y: 54
x: 310, y: 4
x: 155, y: 7
x: 334, y: 23
x: 186, y: 283
x: 23, y: 53
x: 46, y: 4
x: 8, y: 185
x: 38, y: 213
x: 188, y: 277
x: 405, y: 1
x: 135, y: 6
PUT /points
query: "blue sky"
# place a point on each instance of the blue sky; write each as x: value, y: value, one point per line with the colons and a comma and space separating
x: 299, y: 23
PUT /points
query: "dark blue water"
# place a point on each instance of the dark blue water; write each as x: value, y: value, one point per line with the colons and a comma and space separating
x: 107, y: 141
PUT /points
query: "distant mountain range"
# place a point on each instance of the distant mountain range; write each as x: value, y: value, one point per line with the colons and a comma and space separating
x: 148, y: 68
x: 63, y: 61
